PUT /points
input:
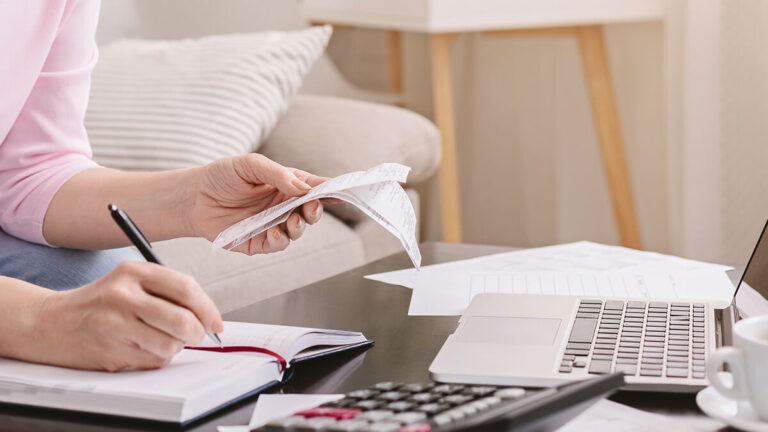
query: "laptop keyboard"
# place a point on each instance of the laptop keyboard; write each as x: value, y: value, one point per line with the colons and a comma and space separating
x: 649, y: 339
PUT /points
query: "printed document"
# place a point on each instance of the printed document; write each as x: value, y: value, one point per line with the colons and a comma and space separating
x: 375, y: 192
x: 449, y: 292
x: 581, y: 268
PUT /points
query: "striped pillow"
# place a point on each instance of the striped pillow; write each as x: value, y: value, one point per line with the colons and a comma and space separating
x: 159, y: 105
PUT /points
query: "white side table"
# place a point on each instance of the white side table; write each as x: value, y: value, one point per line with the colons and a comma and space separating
x: 443, y: 20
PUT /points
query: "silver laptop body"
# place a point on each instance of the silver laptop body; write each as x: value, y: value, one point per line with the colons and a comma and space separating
x: 546, y: 340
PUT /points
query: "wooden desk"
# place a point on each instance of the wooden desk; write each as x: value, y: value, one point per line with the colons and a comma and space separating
x: 443, y: 20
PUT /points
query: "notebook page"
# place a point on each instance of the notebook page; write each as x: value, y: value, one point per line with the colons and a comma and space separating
x: 189, y: 373
x: 284, y: 340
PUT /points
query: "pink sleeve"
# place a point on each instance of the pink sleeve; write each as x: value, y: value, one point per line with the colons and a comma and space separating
x: 46, y: 144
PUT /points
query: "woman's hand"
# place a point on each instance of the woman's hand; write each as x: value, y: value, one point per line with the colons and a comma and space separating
x: 137, y: 316
x: 233, y: 189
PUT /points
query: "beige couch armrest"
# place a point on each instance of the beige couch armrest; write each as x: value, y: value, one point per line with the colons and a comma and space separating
x: 330, y: 136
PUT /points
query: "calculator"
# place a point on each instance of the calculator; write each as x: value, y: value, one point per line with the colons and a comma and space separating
x: 436, y: 407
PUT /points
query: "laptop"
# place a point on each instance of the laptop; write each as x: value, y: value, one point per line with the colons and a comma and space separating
x: 546, y: 340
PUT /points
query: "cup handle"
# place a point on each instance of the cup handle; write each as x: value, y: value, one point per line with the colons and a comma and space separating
x: 732, y: 357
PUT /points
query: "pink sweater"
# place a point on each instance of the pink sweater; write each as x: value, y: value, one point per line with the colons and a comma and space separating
x: 46, y: 56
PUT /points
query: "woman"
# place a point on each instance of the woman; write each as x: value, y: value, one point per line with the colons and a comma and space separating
x: 103, y: 309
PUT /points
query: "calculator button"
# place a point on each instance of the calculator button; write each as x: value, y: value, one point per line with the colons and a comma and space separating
x: 510, y: 393
x: 369, y: 404
x: 456, y: 399
x: 375, y: 415
x: 441, y: 419
x: 409, y: 417
x: 348, y: 426
x: 424, y: 397
x: 416, y: 388
x: 400, y: 406
x: 468, y: 409
x: 479, y: 390
x: 383, y: 427
x: 337, y: 413
x: 363, y: 394
x: 448, y: 388
x: 391, y: 396
x: 421, y: 427
x: 314, y: 424
x: 455, y: 414
x: 432, y: 408
x: 386, y: 386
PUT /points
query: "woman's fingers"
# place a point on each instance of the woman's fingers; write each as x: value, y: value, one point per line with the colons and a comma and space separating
x: 275, y: 240
x: 260, y: 169
x: 158, y: 342
x: 310, y: 179
x: 174, y: 322
x: 184, y: 291
x: 134, y: 357
x: 312, y: 211
x: 294, y: 226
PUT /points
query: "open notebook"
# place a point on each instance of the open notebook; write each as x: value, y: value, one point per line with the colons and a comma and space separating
x: 197, y: 382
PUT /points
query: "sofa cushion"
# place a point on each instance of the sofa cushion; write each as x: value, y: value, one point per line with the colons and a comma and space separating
x: 174, y: 104
x: 234, y: 280
x: 331, y: 136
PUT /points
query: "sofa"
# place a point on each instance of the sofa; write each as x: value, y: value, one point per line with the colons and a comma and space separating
x: 323, y: 134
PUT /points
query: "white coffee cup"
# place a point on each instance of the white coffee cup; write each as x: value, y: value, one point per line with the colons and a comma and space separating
x: 747, y: 360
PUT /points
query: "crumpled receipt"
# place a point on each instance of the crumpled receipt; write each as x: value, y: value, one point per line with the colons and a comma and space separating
x: 376, y: 192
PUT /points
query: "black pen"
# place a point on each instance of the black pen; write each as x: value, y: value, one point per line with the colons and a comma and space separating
x: 138, y: 239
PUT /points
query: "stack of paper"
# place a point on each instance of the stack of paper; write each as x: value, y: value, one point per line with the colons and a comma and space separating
x: 376, y: 192
x: 581, y: 268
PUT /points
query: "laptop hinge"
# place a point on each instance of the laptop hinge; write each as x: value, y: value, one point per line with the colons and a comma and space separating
x: 726, y: 317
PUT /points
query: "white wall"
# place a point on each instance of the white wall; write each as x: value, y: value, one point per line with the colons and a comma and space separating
x: 744, y: 145
x: 529, y: 165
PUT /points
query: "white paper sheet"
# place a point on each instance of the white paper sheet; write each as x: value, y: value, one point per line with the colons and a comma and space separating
x: 376, y: 192
x: 571, y: 257
x: 610, y: 416
x: 449, y: 293
x: 576, y: 269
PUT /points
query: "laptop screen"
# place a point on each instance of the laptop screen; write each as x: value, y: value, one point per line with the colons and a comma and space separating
x: 756, y: 273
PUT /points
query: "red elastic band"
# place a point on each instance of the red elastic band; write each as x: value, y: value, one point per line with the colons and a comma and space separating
x: 281, y: 359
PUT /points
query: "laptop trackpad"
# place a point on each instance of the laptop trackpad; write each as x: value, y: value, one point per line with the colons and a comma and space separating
x: 509, y: 330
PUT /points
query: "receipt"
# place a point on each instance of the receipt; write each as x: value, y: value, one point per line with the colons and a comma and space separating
x: 375, y: 192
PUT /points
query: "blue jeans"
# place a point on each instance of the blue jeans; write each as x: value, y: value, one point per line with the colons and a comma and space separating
x: 57, y: 268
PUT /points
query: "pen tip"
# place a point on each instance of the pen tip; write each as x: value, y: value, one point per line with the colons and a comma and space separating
x: 111, y: 207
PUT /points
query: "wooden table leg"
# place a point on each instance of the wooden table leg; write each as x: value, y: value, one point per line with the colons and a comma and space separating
x: 395, y: 61
x: 442, y: 96
x: 601, y: 95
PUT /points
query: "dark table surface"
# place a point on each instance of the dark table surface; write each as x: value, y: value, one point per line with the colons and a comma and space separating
x: 404, y: 348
